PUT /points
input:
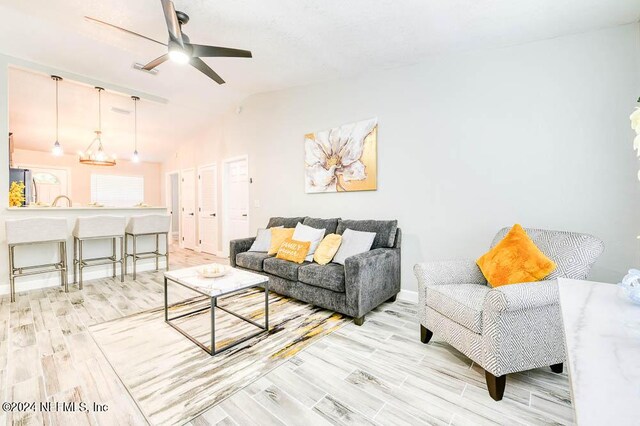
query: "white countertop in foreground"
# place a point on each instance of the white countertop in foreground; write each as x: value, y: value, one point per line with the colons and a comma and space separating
x: 28, y: 209
x: 602, y: 332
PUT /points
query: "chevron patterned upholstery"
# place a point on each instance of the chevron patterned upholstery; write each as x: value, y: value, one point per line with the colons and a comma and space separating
x: 510, y: 328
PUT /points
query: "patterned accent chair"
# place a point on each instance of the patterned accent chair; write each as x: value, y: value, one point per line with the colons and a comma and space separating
x: 510, y: 328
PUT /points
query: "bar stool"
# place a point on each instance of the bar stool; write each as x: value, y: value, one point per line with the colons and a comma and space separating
x: 37, y: 231
x: 98, y: 228
x: 153, y: 225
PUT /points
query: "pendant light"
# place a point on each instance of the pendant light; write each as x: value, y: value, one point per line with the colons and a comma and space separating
x: 99, y: 157
x: 135, y: 158
x: 57, y: 148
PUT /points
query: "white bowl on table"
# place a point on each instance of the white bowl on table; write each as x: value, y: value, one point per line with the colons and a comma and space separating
x: 213, y: 271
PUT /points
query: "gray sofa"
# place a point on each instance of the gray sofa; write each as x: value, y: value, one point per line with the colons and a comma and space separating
x: 364, y: 282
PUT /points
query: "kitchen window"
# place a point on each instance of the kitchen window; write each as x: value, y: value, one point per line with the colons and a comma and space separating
x: 117, y: 191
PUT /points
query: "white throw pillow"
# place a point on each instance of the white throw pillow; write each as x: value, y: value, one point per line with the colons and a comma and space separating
x: 263, y: 240
x: 307, y: 233
x: 353, y: 242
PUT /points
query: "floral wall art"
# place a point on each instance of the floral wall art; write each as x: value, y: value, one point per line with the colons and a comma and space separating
x: 342, y: 159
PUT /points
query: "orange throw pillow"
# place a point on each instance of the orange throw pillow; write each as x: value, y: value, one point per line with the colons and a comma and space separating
x: 293, y: 250
x: 278, y: 235
x: 515, y: 259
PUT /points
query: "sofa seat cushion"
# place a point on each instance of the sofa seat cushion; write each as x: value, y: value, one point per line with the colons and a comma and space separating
x: 282, y: 268
x: 329, y: 276
x: 461, y: 303
x: 252, y: 260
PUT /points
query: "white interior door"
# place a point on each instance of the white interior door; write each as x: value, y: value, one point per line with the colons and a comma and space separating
x: 237, y: 200
x: 188, y: 208
x: 208, y: 209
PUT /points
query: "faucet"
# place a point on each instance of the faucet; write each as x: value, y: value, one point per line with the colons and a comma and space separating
x: 55, y: 200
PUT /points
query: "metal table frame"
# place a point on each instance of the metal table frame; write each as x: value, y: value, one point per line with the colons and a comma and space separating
x: 213, y: 305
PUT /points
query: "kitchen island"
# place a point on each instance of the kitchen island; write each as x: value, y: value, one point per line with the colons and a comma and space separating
x: 46, y: 253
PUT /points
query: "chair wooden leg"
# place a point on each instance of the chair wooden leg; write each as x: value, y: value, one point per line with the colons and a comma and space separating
x: 425, y: 334
x: 496, y: 385
x: 359, y: 320
x: 557, y: 368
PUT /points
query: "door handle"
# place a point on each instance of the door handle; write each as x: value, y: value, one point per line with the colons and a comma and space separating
x: 191, y: 214
x: 212, y: 214
x: 244, y: 215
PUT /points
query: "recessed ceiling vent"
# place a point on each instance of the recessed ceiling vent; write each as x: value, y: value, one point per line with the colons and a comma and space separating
x: 120, y: 110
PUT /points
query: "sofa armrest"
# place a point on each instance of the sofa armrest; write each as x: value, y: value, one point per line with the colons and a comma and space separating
x: 522, y: 327
x: 239, y: 246
x: 517, y: 297
x: 371, y: 278
x: 448, y: 272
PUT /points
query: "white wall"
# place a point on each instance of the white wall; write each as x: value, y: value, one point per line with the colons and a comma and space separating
x: 536, y: 134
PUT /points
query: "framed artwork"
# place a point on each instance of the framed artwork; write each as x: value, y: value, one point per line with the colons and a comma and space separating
x: 342, y: 159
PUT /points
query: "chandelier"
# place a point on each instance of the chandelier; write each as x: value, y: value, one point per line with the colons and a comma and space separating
x: 94, y: 155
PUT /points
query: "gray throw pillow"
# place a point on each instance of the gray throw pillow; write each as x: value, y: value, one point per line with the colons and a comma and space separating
x: 263, y: 240
x: 353, y: 242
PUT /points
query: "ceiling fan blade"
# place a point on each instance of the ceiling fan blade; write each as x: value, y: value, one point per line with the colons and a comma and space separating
x: 173, y: 25
x: 200, y: 65
x: 215, y: 51
x: 151, y: 65
x: 97, y: 21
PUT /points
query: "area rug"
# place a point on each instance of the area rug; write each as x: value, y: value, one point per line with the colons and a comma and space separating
x: 172, y: 380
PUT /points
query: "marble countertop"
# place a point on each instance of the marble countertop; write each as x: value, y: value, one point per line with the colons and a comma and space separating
x: 59, y: 208
x: 234, y: 280
x: 602, y: 333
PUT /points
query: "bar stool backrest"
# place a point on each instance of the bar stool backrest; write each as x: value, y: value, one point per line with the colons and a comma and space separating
x: 149, y: 224
x: 36, y: 230
x: 99, y: 226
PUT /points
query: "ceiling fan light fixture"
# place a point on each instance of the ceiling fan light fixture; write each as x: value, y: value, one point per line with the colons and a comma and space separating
x: 178, y: 56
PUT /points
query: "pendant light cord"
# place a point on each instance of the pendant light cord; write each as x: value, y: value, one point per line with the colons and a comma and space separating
x: 99, y: 109
x: 57, y: 120
x: 135, y: 124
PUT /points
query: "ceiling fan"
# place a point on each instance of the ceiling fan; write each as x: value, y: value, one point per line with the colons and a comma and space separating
x: 180, y: 49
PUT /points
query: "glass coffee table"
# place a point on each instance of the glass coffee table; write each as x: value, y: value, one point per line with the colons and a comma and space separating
x: 234, y: 281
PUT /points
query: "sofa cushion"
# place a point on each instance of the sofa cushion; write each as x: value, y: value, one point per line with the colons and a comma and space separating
x: 286, y: 222
x: 385, y: 230
x: 329, y: 225
x: 461, y: 303
x: 329, y: 276
x: 251, y: 260
x: 282, y: 268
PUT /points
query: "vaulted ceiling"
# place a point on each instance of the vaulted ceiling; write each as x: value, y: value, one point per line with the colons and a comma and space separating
x: 294, y: 42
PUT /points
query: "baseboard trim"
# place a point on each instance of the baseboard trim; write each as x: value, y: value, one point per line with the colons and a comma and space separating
x: 35, y: 282
x: 408, y: 296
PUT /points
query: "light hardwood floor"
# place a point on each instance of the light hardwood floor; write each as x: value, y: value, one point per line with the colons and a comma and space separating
x: 375, y: 374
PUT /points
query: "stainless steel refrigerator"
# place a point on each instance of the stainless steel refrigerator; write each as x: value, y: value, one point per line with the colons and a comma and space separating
x: 24, y: 176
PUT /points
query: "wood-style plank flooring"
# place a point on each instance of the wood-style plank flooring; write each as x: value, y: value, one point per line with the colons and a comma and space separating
x: 375, y: 374
x: 381, y: 374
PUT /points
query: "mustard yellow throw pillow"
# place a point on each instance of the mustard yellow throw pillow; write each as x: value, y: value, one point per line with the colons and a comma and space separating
x: 293, y: 250
x: 278, y: 235
x: 515, y: 259
x: 327, y: 249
